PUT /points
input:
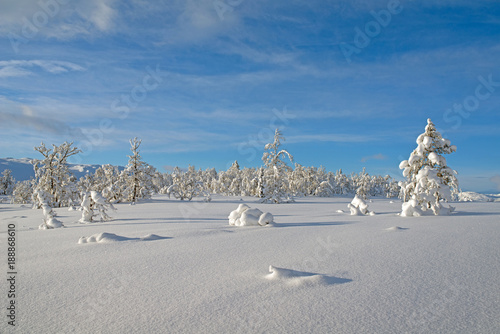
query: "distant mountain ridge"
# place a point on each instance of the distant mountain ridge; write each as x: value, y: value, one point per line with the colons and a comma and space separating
x: 22, y: 169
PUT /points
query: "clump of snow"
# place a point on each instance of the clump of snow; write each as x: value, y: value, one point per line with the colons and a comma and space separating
x: 111, y: 237
x: 411, y: 209
x: 246, y: 216
x: 470, y: 196
x: 359, y: 207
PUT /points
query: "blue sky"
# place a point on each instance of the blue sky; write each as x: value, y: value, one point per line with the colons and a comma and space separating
x: 350, y: 83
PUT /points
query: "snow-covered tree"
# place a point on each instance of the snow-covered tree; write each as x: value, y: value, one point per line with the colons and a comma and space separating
x: 362, y: 183
x: 359, y: 207
x: 187, y: 185
x: 52, y: 175
x: 23, y: 192
x: 429, y: 180
x: 7, y: 183
x: 275, y: 185
x: 49, y: 220
x: 137, y: 175
x: 94, y: 206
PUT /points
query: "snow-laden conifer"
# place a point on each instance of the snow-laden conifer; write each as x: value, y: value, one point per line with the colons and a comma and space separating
x: 138, y: 175
x: 429, y: 180
x: 274, y: 186
x: 7, y: 183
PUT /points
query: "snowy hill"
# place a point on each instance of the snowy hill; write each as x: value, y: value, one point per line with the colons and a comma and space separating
x: 22, y: 169
x: 166, y: 266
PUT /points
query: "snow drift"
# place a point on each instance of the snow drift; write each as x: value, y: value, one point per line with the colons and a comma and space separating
x: 111, y: 237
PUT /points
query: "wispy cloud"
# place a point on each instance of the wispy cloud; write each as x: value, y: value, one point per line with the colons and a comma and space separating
x: 62, y: 19
x: 27, y: 119
x: 496, y: 181
x: 334, y: 138
x: 14, y: 68
x: 378, y: 156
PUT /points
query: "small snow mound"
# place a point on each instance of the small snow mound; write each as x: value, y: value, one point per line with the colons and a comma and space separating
x: 246, y: 216
x: 152, y: 237
x: 300, y: 278
x: 340, y: 211
x: 396, y: 228
x: 50, y: 223
x: 111, y: 237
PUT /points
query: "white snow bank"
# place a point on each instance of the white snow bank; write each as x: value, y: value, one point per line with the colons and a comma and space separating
x: 359, y: 207
x: 246, y: 216
x: 470, y: 196
x: 298, y: 278
x: 111, y: 237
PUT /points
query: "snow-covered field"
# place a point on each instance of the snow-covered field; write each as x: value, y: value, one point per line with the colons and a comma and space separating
x: 165, y: 266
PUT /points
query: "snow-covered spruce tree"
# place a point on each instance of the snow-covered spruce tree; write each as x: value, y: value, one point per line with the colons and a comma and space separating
x: 275, y: 186
x: 94, y: 205
x: 363, y: 185
x: 137, y: 175
x: 52, y: 175
x: 7, y: 183
x: 429, y: 181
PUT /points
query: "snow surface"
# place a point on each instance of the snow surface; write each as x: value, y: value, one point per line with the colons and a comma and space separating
x: 317, y: 271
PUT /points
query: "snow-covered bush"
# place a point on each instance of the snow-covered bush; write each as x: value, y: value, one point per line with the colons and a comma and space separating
x: 429, y: 181
x: 246, y: 216
x: 359, y: 207
x: 95, y: 207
